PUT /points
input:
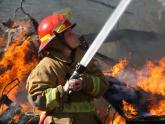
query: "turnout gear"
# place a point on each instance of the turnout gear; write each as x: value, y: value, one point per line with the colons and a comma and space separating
x: 45, y: 88
x: 52, y: 26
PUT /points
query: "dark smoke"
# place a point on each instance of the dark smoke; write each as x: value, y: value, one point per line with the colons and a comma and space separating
x: 119, y: 91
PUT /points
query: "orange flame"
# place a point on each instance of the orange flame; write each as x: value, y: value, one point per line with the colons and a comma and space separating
x: 119, y: 67
x: 158, y: 109
x: 17, y: 62
x: 116, y: 119
x: 150, y: 78
x: 155, y: 83
x: 130, y: 110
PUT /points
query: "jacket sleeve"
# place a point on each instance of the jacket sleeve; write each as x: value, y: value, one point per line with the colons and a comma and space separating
x: 43, y: 91
x: 94, y: 82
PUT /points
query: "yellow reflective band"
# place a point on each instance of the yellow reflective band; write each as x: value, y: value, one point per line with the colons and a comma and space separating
x: 60, y: 28
x: 96, y: 85
x: 51, y: 98
x: 76, y: 107
x: 45, y: 38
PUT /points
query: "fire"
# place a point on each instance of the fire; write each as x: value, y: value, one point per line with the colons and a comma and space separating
x: 17, y: 61
x: 115, y: 119
x: 158, y: 109
x: 119, y: 67
x: 155, y: 83
x: 130, y: 110
x: 118, y: 120
x: 150, y: 78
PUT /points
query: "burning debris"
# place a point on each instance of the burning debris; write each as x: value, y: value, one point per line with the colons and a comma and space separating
x: 14, y: 115
x: 137, y: 92
x: 18, y: 45
x: 11, y: 112
x: 134, y: 93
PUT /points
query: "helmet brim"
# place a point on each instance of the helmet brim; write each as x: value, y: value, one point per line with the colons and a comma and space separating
x: 46, y: 43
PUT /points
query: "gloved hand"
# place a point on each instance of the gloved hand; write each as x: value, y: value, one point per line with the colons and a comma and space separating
x: 73, y: 84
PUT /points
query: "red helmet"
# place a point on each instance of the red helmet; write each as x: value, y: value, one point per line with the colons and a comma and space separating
x: 51, y: 25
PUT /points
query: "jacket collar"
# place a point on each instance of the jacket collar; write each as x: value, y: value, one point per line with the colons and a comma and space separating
x: 59, y: 56
x: 77, y: 56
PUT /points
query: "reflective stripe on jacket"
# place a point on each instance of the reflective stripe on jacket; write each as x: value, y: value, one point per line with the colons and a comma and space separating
x: 45, y: 90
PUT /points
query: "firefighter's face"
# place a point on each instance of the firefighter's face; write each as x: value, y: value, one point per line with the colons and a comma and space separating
x: 71, y: 38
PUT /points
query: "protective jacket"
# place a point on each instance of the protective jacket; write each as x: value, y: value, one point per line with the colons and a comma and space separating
x: 45, y: 89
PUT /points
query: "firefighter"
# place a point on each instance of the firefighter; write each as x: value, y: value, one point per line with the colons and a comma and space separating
x: 48, y: 83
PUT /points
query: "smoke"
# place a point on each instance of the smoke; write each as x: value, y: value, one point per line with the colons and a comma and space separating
x: 134, y: 76
x: 142, y: 100
x: 141, y: 87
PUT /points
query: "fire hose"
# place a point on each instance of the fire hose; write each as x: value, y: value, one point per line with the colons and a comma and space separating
x: 100, y: 38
